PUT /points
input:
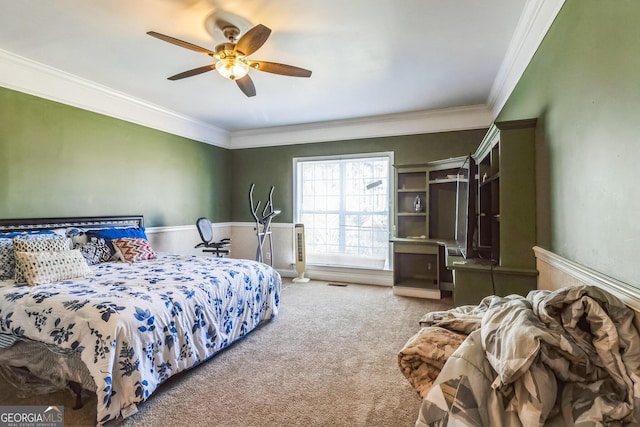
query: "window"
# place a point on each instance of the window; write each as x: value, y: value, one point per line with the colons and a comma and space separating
x: 343, y: 202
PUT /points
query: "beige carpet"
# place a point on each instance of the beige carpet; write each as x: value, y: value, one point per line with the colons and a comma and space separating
x: 328, y: 359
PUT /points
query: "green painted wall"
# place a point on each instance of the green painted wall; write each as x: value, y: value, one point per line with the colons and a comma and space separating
x: 57, y: 160
x: 584, y: 86
x: 274, y: 165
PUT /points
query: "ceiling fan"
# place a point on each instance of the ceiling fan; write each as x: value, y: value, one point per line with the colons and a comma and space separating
x: 233, y: 62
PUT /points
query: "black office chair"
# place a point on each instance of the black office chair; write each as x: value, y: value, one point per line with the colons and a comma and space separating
x: 206, y: 234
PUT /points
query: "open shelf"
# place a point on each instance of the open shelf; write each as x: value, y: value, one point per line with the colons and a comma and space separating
x: 443, y: 181
x: 418, y: 251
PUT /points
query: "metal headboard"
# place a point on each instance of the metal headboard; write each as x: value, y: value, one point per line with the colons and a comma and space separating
x: 32, y: 224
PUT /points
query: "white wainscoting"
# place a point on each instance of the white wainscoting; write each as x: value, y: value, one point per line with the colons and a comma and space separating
x: 244, y: 243
x: 556, y: 272
x: 182, y: 239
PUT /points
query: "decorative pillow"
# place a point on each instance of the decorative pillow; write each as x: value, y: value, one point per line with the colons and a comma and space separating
x: 7, y: 256
x: 37, y: 243
x: 77, y: 235
x: 7, y: 259
x: 41, y: 242
x: 95, y: 251
x: 108, y: 234
x: 117, y: 233
x: 50, y: 266
x: 134, y: 249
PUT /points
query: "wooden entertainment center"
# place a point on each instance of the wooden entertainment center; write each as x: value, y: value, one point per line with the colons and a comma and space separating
x: 503, y: 261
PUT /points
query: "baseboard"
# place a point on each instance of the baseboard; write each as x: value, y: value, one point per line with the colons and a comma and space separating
x: 350, y: 275
x: 549, y: 263
x: 287, y: 273
x: 407, y: 291
x: 182, y: 239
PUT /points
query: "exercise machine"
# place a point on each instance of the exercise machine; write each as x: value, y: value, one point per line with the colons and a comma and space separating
x: 263, y: 223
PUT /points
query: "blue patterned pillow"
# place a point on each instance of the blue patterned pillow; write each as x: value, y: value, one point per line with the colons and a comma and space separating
x: 77, y: 235
x: 95, y: 251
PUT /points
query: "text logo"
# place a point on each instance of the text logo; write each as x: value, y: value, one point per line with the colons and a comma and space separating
x: 32, y: 416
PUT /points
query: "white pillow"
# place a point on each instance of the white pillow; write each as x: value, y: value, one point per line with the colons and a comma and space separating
x: 49, y: 266
x: 37, y: 243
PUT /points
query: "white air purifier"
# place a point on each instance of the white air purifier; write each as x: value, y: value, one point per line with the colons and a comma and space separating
x: 300, y: 254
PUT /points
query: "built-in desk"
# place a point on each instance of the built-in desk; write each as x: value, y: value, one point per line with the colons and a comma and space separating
x: 475, y: 279
x: 419, y: 268
x: 424, y: 216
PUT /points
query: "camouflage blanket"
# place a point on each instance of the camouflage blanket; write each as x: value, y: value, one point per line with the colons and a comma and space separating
x: 423, y: 356
x: 568, y: 357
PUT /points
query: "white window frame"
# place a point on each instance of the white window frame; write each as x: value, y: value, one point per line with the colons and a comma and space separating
x: 389, y: 154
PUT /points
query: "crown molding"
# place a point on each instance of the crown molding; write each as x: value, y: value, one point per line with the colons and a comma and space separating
x: 417, y: 122
x: 24, y: 75
x: 37, y: 79
x: 535, y: 21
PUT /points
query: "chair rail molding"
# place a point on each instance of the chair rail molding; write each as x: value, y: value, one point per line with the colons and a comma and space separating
x: 627, y: 293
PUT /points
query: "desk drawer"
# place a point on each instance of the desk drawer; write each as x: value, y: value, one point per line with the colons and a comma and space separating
x: 415, y: 248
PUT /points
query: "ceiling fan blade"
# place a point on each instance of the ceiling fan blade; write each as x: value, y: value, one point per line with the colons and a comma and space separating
x: 283, y: 69
x: 253, y: 39
x: 193, y: 72
x: 180, y: 43
x: 246, y: 85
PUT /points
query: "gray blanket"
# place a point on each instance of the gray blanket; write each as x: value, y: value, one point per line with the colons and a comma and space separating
x: 569, y: 357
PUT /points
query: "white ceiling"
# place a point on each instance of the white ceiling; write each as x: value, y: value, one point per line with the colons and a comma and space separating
x: 369, y: 58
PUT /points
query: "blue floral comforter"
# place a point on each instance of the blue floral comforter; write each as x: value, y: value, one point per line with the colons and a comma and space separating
x: 135, y: 325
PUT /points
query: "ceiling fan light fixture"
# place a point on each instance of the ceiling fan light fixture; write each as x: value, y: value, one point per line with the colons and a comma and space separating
x: 232, y: 68
x: 232, y: 58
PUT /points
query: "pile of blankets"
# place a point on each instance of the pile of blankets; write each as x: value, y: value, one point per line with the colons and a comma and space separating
x: 568, y: 357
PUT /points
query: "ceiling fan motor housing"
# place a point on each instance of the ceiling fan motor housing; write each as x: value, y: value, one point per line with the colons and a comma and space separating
x: 226, y: 50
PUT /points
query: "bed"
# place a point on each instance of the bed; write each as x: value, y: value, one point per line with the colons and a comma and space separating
x: 562, y: 355
x: 120, y: 329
